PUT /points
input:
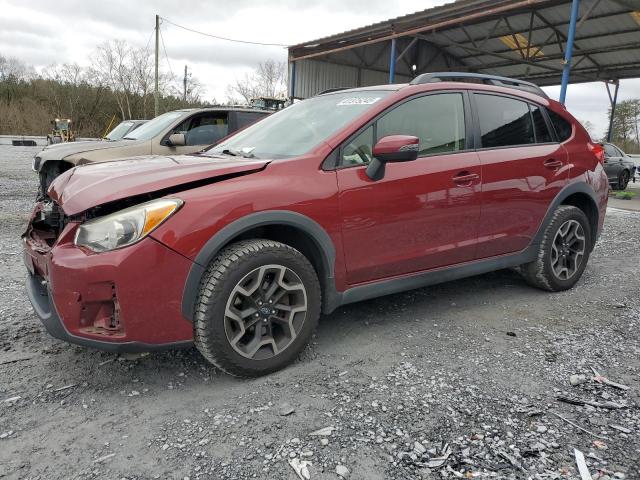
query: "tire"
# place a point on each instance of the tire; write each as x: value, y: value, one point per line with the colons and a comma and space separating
x: 541, y: 273
x: 251, y: 266
x: 623, y: 180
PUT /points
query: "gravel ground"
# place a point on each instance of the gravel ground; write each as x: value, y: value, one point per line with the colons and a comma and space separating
x: 459, y: 380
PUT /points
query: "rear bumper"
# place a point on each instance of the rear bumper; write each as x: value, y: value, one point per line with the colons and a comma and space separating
x: 45, y: 310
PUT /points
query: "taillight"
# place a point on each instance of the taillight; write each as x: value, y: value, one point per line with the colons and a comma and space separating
x: 598, y: 151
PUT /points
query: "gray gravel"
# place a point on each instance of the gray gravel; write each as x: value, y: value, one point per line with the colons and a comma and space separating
x: 459, y: 380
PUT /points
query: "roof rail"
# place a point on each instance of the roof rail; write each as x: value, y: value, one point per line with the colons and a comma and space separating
x: 483, y: 78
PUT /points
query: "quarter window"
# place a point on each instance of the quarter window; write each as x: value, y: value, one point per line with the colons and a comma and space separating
x: 560, y: 125
x: 359, y: 149
x: 504, y: 121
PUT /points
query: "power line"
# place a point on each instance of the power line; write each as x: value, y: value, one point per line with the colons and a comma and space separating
x: 225, y: 38
x: 149, y: 40
x: 167, y: 56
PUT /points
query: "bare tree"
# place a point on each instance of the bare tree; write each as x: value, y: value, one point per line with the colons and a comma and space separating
x: 13, y: 69
x: 589, y: 127
x: 268, y: 80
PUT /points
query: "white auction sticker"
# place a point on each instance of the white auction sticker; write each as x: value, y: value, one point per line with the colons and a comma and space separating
x: 358, y: 101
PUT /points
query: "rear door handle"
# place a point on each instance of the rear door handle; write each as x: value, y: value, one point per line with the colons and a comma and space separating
x: 465, y: 178
x: 553, y: 164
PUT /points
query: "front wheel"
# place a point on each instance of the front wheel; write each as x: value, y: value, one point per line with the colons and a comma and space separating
x: 563, y: 252
x: 258, y: 305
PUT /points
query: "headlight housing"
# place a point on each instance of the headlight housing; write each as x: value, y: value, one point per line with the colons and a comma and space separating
x: 126, y: 227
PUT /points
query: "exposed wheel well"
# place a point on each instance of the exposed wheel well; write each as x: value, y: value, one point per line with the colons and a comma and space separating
x: 585, y: 203
x: 294, y: 237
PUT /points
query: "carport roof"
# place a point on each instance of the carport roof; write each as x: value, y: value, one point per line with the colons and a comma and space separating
x: 515, y: 38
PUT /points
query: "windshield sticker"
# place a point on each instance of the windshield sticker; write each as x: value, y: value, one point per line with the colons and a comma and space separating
x: 358, y: 101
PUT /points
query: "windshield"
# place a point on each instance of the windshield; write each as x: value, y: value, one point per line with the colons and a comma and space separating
x: 299, y: 128
x: 119, y: 131
x: 154, y: 127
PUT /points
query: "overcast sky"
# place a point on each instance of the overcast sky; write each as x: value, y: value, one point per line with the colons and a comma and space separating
x: 41, y: 32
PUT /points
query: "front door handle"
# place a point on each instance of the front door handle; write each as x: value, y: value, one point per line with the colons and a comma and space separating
x: 553, y: 164
x: 465, y: 178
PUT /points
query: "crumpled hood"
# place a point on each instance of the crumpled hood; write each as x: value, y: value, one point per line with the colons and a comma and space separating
x: 60, y: 151
x: 90, y: 185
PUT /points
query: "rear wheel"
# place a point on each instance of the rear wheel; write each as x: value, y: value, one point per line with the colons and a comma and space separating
x: 623, y: 180
x: 563, y: 252
x: 258, y: 305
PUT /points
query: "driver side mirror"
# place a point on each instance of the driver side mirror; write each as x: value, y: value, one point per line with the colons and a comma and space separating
x: 177, y: 140
x: 393, y: 148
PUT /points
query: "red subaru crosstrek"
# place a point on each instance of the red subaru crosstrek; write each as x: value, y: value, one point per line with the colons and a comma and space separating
x: 339, y: 198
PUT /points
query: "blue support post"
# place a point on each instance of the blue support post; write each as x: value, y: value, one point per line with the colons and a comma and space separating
x: 568, y: 54
x: 392, y: 61
x: 292, y: 88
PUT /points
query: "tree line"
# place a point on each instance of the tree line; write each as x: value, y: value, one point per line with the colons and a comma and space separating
x: 118, y: 84
x: 626, y: 125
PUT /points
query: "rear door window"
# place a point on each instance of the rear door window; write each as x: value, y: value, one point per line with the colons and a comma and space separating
x: 504, y: 122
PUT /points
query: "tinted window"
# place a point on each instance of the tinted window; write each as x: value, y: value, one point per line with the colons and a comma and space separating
x: 247, y: 118
x: 504, y: 121
x: 437, y: 120
x: 543, y: 135
x: 560, y: 125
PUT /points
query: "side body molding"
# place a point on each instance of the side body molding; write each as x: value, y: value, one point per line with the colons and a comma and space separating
x: 259, y: 219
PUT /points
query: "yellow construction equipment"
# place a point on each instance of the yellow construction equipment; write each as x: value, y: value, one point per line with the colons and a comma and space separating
x: 61, y: 131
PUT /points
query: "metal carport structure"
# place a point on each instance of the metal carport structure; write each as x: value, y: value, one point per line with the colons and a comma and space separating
x: 535, y: 40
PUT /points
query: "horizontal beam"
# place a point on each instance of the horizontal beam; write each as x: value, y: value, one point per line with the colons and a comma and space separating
x: 553, y: 43
x: 511, y: 59
x: 579, y: 53
x: 432, y: 27
x: 611, y: 72
x: 557, y: 25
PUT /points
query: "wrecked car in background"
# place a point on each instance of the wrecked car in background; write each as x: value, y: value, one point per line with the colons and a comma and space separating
x: 172, y: 133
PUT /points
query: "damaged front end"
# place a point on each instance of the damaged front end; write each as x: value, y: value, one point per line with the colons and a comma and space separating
x: 97, y: 305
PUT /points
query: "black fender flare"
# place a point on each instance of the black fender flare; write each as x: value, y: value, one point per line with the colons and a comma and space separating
x: 566, y: 192
x: 215, y: 244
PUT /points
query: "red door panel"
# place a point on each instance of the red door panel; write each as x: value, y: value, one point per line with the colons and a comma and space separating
x: 416, y: 218
x: 518, y: 185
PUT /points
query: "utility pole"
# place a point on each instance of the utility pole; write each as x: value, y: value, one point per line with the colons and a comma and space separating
x: 184, y: 95
x: 156, y: 98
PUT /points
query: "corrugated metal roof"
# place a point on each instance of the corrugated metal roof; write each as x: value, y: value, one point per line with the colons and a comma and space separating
x: 486, y: 36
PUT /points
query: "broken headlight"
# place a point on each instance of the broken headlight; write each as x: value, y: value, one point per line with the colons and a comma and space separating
x: 125, y: 227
